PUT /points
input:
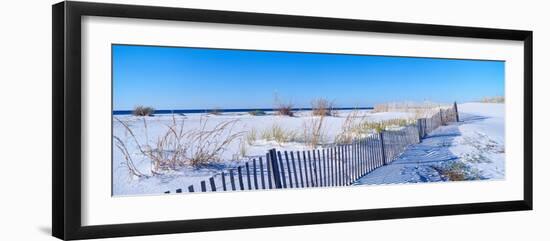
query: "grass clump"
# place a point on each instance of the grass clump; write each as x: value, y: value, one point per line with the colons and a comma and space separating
x: 313, y: 132
x: 420, y: 109
x: 143, y: 111
x: 321, y: 107
x: 380, y: 126
x: 243, y: 148
x: 355, y: 127
x: 349, y: 130
x: 278, y: 134
x: 458, y: 171
x: 251, y: 136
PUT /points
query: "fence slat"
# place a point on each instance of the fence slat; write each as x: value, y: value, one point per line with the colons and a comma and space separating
x: 255, y: 174
x: 315, y: 169
x: 321, y: 175
x: 239, y: 173
x: 455, y: 107
x: 191, y: 188
x: 333, y: 167
x: 382, y: 148
x: 330, y: 166
x: 288, y: 169
x: 275, y: 168
x: 376, y: 151
x: 223, y: 182
x: 299, y: 167
x: 372, y: 154
x: 305, y: 167
x: 368, y: 155
x: 381, y: 151
x: 294, y: 169
x: 232, y: 179
x: 364, y: 156
x: 341, y: 166
x: 351, y: 162
x: 262, y: 172
x: 248, y: 176
x: 346, y: 162
x: 325, y: 177
x: 268, y: 167
x: 212, y: 184
x: 357, y: 159
x: 312, y: 177
x: 281, y: 169
x: 203, y: 186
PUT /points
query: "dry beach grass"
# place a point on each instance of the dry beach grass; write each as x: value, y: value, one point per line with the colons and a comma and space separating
x: 177, y: 147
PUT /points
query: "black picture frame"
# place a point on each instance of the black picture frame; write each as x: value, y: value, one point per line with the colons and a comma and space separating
x: 66, y: 184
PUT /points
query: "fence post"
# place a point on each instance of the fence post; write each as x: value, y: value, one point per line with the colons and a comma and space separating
x: 456, y: 111
x: 420, y: 129
x: 275, y: 168
x: 382, y: 147
x: 441, y: 116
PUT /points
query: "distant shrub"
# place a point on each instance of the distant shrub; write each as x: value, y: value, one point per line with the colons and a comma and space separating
x: 256, y: 112
x: 285, y: 109
x: 143, y: 111
x: 321, y: 107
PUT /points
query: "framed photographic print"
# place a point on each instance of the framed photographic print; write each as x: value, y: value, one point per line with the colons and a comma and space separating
x: 169, y: 120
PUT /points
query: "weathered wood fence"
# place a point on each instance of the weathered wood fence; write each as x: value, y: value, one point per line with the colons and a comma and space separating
x: 335, y: 165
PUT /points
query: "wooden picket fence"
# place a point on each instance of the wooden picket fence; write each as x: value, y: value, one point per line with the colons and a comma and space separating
x: 335, y: 165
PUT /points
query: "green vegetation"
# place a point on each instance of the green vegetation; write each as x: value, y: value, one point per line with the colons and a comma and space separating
x: 256, y: 113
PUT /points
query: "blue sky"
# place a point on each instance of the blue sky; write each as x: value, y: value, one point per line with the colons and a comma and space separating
x: 195, y: 78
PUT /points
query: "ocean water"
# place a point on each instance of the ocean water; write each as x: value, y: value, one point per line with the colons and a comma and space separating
x: 195, y: 111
